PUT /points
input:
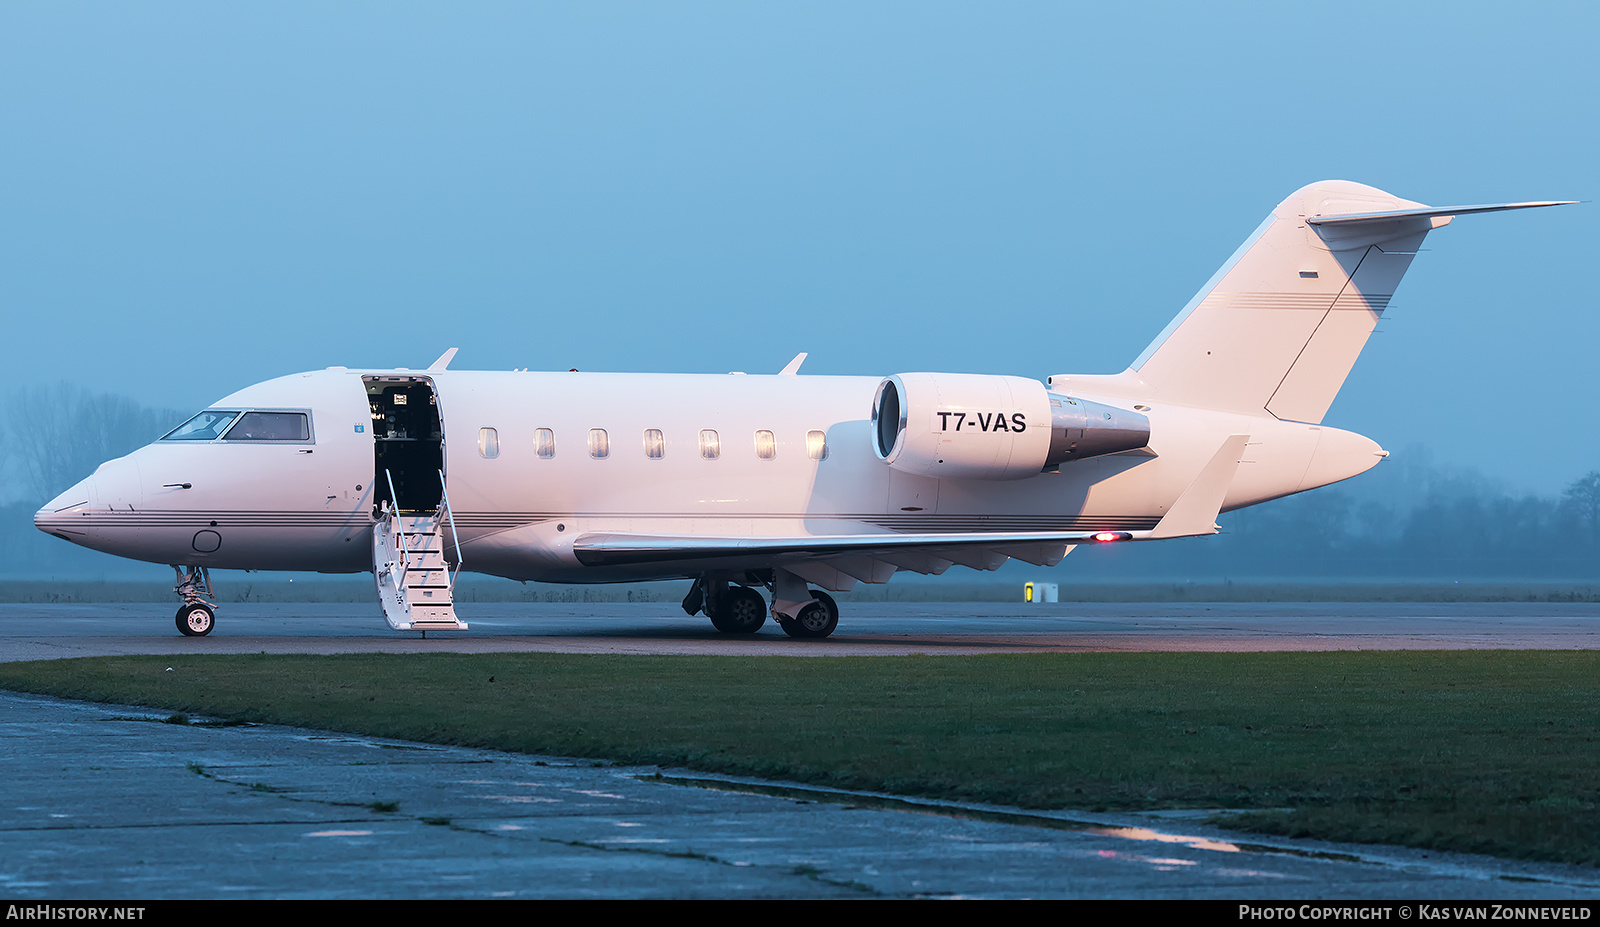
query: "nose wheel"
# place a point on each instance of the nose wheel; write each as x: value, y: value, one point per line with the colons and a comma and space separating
x: 196, y: 620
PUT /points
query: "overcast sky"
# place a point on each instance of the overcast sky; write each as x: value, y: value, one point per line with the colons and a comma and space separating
x: 198, y: 196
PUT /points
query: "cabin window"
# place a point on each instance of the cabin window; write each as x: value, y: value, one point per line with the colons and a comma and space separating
x: 271, y: 426
x: 488, y: 443
x: 599, y: 444
x: 816, y: 445
x: 710, y: 445
x: 655, y: 446
x: 544, y: 443
x: 207, y: 426
x: 766, y: 445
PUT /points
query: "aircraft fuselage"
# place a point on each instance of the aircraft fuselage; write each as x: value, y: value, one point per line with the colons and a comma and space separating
x: 308, y: 505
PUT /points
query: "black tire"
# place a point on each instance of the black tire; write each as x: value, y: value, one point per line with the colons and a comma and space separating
x: 814, y: 622
x: 196, y: 620
x: 742, y: 610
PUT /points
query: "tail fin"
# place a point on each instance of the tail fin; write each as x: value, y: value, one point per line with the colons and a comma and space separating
x: 1280, y: 325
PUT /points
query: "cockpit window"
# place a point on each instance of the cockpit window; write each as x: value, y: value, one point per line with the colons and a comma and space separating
x: 207, y: 426
x: 271, y: 426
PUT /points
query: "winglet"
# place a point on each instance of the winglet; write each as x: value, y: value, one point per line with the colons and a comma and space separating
x: 1195, y: 512
x: 793, y: 367
x: 444, y: 360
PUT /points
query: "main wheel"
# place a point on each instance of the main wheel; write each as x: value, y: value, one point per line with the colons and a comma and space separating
x: 814, y: 622
x: 196, y: 620
x: 741, y: 611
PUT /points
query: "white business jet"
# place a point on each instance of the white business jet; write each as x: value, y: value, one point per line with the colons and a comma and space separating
x: 788, y: 484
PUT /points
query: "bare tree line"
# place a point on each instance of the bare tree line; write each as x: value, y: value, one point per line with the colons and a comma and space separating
x: 56, y: 435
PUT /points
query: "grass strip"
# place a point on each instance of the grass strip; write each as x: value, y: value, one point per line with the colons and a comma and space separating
x: 1476, y: 751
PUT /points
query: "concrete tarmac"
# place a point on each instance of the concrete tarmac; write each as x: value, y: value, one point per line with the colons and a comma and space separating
x: 108, y: 803
x: 40, y: 632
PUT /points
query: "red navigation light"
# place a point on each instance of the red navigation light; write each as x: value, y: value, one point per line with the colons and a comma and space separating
x: 1108, y: 536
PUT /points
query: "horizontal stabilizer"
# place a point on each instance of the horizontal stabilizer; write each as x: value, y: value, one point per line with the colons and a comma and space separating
x: 1430, y: 212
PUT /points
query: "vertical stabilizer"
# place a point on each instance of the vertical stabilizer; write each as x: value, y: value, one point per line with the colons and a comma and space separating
x: 1280, y: 325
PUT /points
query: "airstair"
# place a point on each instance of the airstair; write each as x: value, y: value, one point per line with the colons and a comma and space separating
x: 416, y: 584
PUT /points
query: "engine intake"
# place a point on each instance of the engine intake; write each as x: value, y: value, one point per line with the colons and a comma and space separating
x: 966, y: 426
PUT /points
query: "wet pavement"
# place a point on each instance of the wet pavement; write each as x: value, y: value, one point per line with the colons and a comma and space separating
x: 110, y: 802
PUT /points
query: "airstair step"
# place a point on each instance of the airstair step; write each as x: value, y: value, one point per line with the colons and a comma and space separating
x: 444, y: 621
x: 415, y: 581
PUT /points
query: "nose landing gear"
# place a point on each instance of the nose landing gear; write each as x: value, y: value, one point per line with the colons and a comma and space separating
x: 198, y: 613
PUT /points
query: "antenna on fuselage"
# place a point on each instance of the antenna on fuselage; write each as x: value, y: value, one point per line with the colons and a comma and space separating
x: 444, y: 360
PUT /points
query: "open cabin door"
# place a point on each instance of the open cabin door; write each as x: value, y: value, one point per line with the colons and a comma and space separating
x: 411, y: 506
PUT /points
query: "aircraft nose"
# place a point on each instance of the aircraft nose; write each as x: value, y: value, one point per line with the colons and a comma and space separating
x: 114, y: 485
x: 57, y: 515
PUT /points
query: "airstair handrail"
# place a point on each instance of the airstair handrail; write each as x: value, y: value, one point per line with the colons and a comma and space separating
x: 399, y: 526
x: 449, y: 513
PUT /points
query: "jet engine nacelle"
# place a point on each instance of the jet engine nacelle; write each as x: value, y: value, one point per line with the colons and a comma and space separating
x: 965, y: 426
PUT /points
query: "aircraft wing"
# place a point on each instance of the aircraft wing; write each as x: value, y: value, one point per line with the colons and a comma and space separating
x: 837, y: 561
x: 618, y: 549
x: 875, y: 556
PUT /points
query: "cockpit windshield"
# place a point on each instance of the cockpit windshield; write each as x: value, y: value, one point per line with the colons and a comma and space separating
x: 207, y: 426
x: 238, y: 425
x: 271, y: 426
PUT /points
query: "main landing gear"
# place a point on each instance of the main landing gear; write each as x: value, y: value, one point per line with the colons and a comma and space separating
x: 198, y: 613
x: 816, y: 620
x: 741, y: 609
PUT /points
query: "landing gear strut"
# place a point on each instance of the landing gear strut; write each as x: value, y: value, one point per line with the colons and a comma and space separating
x: 198, y: 613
